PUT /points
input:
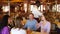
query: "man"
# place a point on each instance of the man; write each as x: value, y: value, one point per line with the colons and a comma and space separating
x: 31, y: 23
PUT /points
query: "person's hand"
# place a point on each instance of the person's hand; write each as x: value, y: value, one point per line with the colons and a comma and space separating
x: 37, y: 25
x: 29, y: 30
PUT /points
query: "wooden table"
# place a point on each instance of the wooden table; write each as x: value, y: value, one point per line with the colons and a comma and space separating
x: 35, y: 32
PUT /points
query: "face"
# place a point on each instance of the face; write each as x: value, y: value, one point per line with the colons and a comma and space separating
x: 42, y: 18
x: 21, y: 22
x: 9, y: 20
x: 31, y: 16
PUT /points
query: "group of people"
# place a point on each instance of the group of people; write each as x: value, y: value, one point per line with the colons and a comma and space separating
x: 31, y: 24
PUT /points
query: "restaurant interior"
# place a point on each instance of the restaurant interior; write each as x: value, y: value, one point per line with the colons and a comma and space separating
x: 22, y: 8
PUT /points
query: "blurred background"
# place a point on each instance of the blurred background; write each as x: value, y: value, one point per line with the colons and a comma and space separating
x: 22, y: 8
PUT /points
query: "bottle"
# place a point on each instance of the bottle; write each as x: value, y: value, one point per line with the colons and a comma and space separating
x: 29, y: 31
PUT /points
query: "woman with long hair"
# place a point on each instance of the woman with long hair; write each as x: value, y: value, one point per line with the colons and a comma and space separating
x: 45, y: 25
x: 4, y: 29
x: 18, y: 28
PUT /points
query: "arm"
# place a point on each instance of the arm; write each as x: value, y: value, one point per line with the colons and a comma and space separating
x: 48, y: 28
x: 35, y: 26
x: 25, y: 26
x: 38, y: 25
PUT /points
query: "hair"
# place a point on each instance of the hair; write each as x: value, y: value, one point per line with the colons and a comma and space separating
x: 4, y: 22
x: 18, y: 23
x: 31, y: 14
x: 46, y: 16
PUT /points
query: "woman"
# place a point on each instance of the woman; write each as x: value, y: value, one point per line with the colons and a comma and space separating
x: 18, y: 27
x: 4, y: 29
x: 45, y: 25
x: 10, y: 22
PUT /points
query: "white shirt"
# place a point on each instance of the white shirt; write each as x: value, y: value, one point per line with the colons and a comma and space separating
x: 36, y: 12
x: 17, y: 31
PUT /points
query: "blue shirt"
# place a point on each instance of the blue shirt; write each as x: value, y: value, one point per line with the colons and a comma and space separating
x: 31, y: 24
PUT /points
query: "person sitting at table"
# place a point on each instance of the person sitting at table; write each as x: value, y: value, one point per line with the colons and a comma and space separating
x: 31, y: 22
x: 18, y: 27
x: 4, y: 29
x: 10, y: 22
x: 45, y: 25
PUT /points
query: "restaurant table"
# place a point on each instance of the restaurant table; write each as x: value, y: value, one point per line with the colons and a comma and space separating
x: 33, y: 32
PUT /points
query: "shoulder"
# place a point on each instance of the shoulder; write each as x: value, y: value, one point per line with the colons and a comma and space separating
x: 6, y: 28
x: 35, y: 20
x: 23, y: 31
x: 28, y: 20
x: 14, y: 28
x: 48, y: 22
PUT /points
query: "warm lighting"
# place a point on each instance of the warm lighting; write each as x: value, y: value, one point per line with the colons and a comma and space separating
x: 31, y: 7
x: 41, y: 7
x: 16, y: 8
x: 6, y: 8
x: 33, y: 2
x: 43, y: 0
x: 56, y: 8
x: 25, y: 7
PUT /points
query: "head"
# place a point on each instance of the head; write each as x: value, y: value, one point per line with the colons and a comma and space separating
x: 9, y: 20
x: 43, y: 18
x: 4, y: 21
x: 31, y: 16
x: 18, y: 23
